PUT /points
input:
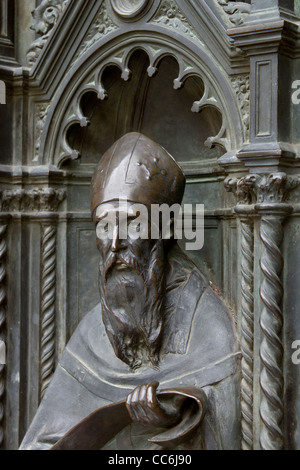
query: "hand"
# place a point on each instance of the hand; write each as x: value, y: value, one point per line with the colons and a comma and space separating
x: 143, y: 407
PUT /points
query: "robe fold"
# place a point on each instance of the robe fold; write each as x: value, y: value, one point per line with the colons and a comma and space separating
x: 199, y: 348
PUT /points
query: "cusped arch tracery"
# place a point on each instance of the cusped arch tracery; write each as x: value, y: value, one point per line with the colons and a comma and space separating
x: 148, y: 105
x: 87, y: 77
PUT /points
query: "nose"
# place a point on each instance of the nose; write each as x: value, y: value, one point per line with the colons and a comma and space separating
x: 116, y: 243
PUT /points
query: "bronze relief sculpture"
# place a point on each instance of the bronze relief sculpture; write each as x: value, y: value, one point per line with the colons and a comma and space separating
x: 156, y: 363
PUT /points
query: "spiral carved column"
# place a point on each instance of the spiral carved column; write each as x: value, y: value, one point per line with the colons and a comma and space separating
x: 34, y: 207
x: 242, y: 188
x: 272, y: 191
x: 247, y: 331
x: 50, y: 200
x: 271, y: 322
x: 48, y: 297
x: 3, y: 251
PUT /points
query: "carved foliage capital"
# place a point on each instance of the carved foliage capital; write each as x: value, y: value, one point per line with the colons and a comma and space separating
x: 242, y: 188
x: 33, y: 200
x: 273, y: 188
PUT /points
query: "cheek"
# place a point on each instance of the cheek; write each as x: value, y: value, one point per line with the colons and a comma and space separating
x: 103, y: 247
x: 142, y: 248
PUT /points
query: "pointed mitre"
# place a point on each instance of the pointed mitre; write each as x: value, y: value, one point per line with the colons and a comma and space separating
x: 137, y: 169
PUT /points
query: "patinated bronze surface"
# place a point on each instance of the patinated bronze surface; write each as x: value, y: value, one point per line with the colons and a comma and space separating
x: 161, y: 325
x: 140, y: 170
x: 99, y: 427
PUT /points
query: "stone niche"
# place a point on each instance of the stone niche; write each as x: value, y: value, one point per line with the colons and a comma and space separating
x: 149, y: 105
x: 153, y: 106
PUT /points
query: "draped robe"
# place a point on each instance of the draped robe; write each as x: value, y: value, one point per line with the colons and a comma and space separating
x: 199, y: 348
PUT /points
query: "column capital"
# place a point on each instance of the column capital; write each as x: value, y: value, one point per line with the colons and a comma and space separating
x: 272, y: 189
x: 32, y: 200
x: 242, y: 188
x: 262, y: 192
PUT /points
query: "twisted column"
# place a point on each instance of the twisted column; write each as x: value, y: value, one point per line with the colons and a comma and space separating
x: 48, y: 296
x: 271, y: 322
x: 247, y: 331
x: 3, y: 250
x: 35, y: 205
x: 49, y: 201
x: 242, y: 188
x: 272, y: 191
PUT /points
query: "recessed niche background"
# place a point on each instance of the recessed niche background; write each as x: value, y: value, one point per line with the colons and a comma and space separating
x: 149, y: 105
x: 152, y: 106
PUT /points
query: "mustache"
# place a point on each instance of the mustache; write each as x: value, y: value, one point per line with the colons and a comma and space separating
x: 115, y: 259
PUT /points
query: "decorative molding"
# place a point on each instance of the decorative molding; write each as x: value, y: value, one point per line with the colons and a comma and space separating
x: 48, y: 297
x: 241, y: 85
x: 41, y: 114
x: 236, y: 11
x: 33, y: 200
x: 3, y: 250
x: 170, y: 15
x: 130, y: 9
x: 45, y: 17
x: 102, y: 26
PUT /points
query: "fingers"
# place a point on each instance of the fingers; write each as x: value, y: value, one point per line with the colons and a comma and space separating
x: 151, y: 397
x: 142, y: 404
x: 133, y: 404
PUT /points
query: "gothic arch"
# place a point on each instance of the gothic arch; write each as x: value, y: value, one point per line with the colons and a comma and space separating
x: 86, y: 76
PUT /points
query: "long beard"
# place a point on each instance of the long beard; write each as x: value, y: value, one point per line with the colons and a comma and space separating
x: 132, y: 301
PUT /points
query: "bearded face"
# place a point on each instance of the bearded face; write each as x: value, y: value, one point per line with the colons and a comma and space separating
x: 131, y: 283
